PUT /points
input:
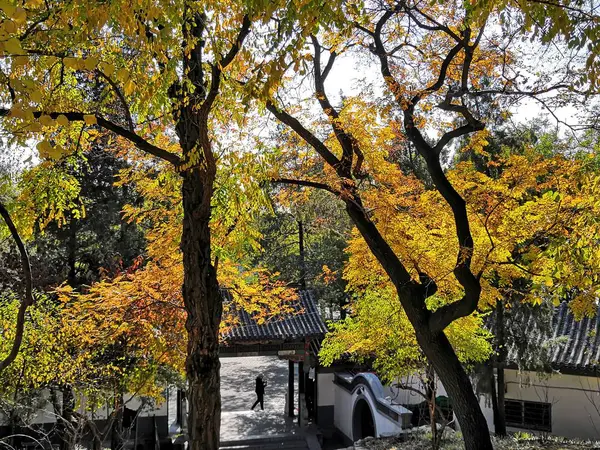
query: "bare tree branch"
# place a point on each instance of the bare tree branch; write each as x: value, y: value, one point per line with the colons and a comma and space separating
x: 121, y: 98
x: 306, y: 135
x: 28, y: 300
x: 217, y: 67
x: 134, y: 138
x: 307, y: 183
x: 347, y: 141
x: 453, y: 134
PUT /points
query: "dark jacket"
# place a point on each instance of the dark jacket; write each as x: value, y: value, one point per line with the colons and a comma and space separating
x: 260, y: 386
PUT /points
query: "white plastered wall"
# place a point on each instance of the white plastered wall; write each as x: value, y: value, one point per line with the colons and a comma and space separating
x: 325, y: 389
x: 575, y: 401
x: 344, y: 412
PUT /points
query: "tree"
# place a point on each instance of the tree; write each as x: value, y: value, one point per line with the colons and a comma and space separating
x: 27, y: 301
x: 165, y: 64
x: 304, y: 241
x: 436, y: 61
x: 76, y: 251
x: 510, y: 311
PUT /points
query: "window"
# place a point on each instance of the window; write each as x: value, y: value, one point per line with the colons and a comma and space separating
x: 528, y: 415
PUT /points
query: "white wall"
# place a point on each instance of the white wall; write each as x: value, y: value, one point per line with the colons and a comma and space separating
x: 344, y: 412
x: 575, y: 401
x: 325, y: 389
x: 407, y: 396
x: 46, y: 414
x: 43, y: 415
x: 171, y: 405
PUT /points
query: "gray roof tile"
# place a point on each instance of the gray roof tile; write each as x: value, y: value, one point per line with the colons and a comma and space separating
x: 581, y: 350
x: 304, y: 322
x: 574, y: 345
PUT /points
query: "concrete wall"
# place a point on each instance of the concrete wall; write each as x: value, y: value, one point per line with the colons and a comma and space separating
x: 171, y: 406
x: 575, y: 400
x: 407, y: 396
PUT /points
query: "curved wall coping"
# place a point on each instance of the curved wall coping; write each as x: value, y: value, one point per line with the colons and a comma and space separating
x: 351, y: 383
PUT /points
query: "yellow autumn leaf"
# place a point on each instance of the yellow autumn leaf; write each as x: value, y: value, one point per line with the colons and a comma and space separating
x: 9, y: 26
x: 35, y: 96
x: 69, y: 62
x: 90, y: 119
x: 123, y: 75
x: 46, y: 120
x: 7, y: 7
x: 90, y: 63
x: 55, y: 152
x: 19, y: 61
x: 62, y: 120
x: 13, y: 46
x: 19, y: 15
x: 107, y: 69
x: 28, y: 114
x: 17, y: 111
x: 129, y: 87
x: 44, y: 148
x: 34, y: 126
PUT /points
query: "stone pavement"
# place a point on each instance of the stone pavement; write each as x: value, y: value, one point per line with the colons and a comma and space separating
x: 237, y: 393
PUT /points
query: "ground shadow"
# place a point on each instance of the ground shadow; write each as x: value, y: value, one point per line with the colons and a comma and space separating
x: 237, y: 395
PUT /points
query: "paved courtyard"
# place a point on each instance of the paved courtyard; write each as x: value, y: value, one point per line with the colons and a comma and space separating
x: 237, y: 393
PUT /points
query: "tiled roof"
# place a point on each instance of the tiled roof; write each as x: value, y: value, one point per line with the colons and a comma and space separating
x: 581, y: 347
x: 304, y: 322
x: 568, y: 345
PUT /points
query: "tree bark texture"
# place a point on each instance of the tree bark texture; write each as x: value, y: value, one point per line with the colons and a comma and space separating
x: 28, y: 299
x: 429, y: 325
x: 455, y: 380
x: 201, y: 294
x: 203, y: 303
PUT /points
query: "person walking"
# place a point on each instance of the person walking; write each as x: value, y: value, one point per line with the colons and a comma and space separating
x: 260, y: 392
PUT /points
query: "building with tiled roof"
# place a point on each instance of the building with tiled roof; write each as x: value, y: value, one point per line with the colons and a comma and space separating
x: 563, y: 397
x: 287, y: 334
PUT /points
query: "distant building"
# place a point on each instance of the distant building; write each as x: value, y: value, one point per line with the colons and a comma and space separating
x: 565, y: 402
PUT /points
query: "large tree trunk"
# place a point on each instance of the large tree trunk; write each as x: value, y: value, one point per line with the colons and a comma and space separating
x: 203, y: 303
x: 435, y: 345
x: 451, y: 373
